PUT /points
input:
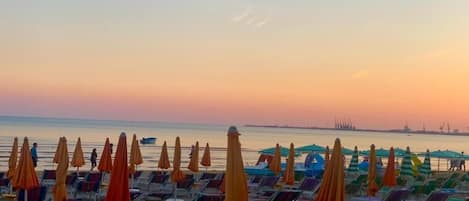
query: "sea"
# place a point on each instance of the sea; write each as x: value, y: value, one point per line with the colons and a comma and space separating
x: 46, y: 132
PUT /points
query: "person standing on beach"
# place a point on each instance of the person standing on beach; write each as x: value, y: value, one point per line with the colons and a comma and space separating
x: 34, y: 154
x: 192, y: 151
x: 93, y: 158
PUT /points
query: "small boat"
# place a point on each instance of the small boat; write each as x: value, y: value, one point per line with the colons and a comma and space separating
x: 148, y: 140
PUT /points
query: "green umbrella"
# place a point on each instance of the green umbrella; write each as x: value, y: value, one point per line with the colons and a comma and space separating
x: 283, y: 151
x: 346, y: 151
x: 425, y: 168
x: 444, y: 154
x: 311, y: 148
x: 353, y: 166
x: 406, y: 165
x: 385, y: 152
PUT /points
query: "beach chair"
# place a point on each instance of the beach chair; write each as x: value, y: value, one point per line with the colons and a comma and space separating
x: 266, y: 183
x: 185, y: 186
x: 309, y: 186
x: 208, y: 176
x: 213, y: 186
x: 286, y: 195
x: 35, y: 194
x: 438, y: 196
x: 392, y: 195
x: 158, y: 180
x: 210, y: 197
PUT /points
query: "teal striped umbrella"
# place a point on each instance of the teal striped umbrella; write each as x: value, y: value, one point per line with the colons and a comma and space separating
x: 353, y: 166
x: 311, y: 148
x: 406, y: 165
x: 283, y: 151
x: 425, y: 168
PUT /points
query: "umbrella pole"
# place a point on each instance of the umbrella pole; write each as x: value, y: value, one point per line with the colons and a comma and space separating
x: 175, y: 191
x: 132, y: 181
x: 11, y: 188
x: 25, y: 194
x: 78, y: 169
x: 438, y: 164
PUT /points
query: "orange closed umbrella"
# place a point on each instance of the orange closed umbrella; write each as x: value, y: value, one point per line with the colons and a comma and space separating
x: 13, y: 159
x: 289, y: 176
x: 326, y: 156
x: 194, y: 162
x: 78, y: 159
x: 105, y: 163
x: 119, y: 184
x: 235, y: 179
x: 372, y: 186
x: 206, y: 157
x: 135, y: 158
x: 333, y: 185
x: 275, y: 164
x: 25, y: 177
x: 60, y: 188
x: 177, y: 175
x: 163, y: 163
x: 56, y: 155
x: 389, y: 178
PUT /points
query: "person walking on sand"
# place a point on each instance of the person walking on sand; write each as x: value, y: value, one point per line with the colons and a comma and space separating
x: 93, y: 158
x: 34, y: 154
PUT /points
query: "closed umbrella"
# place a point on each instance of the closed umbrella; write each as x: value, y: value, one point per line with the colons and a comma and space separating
x: 177, y: 175
x: 333, y: 185
x: 311, y: 148
x: 78, y: 159
x: 235, y: 179
x: 25, y: 176
x: 12, y: 162
x: 389, y: 178
x: 276, y: 161
x: 406, y: 165
x: 425, y: 168
x: 119, y: 185
x: 289, y: 176
x: 135, y: 158
x: 57, y: 152
x: 372, y: 186
x: 206, y: 157
x: 163, y: 163
x: 60, y: 188
x: 353, y: 166
x: 194, y: 162
x: 105, y: 163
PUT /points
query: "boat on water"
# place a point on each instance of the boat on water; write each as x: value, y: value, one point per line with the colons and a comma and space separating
x: 148, y: 140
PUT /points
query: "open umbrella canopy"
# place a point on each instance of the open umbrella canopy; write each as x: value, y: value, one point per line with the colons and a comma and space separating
x: 119, y: 185
x: 206, y: 161
x: 372, y: 186
x: 194, y: 162
x: 60, y: 188
x: 346, y: 151
x: 135, y: 155
x: 25, y: 175
x: 13, y: 159
x: 389, y: 178
x: 235, y: 180
x: 333, y: 185
x: 311, y: 148
x: 283, y: 151
x: 406, y: 165
x: 445, y: 154
x: 385, y: 152
x: 163, y: 163
x: 289, y: 176
x: 353, y: 166
x: 78, y: 159
x: 105, y: 163
x: 425, y: 168
x: 276, y: 161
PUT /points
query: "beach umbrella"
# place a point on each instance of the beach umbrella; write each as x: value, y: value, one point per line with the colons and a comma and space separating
x: 57, y: 151
x: 60, y: 188
x: 163, y: 163
x: 406, y: 165
x: 384, y: 152
x: 235, y: 179
x: 372, y: 186
x: 326, y: 156
x: 289, y: 175
x: 445, y: 154
x: 177, y: 175
x: 283, y: 151
x: 333, y: 185
x: 194, y: 162
x: 135, y: 158
x: 119, y: 185
x: 206, y: 157
x: 353, y: 166
x: 25, y: 176
x: 346, y: 151
x: 105, y: 163
x: 311, y: 148
x: 276, y: 161
x: 12, y: 162
x: 425, y: 168
x: 389, y: 178
x: 78, y: 159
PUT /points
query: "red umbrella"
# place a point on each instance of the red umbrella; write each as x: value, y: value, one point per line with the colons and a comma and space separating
x: 119, y: 184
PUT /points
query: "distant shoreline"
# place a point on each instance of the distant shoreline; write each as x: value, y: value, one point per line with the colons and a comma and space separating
x: 359, y: 130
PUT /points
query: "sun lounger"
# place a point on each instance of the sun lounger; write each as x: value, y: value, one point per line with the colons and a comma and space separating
x: 286, y: 195
x: 266, y: 183
x: 48, y: 178
x: 35, y: 194
x: 392, y: 195
x: 207, y: 176
x: 210, y: 197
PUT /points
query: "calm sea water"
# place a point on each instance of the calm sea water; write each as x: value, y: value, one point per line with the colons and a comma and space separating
x: 46, y: 132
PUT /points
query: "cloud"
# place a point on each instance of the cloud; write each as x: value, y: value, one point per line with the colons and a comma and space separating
x: 246, y: 13
x: 263, y: 22
x: 360, y: 74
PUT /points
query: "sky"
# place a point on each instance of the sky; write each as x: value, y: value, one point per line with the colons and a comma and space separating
x: 379, y: 63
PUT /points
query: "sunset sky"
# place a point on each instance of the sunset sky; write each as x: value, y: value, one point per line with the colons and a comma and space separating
x: 380, y: 63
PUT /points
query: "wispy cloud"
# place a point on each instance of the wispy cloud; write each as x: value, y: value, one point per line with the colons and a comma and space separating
x: 251, y: 18
x: 246, y: 13
x: 263, y: 22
